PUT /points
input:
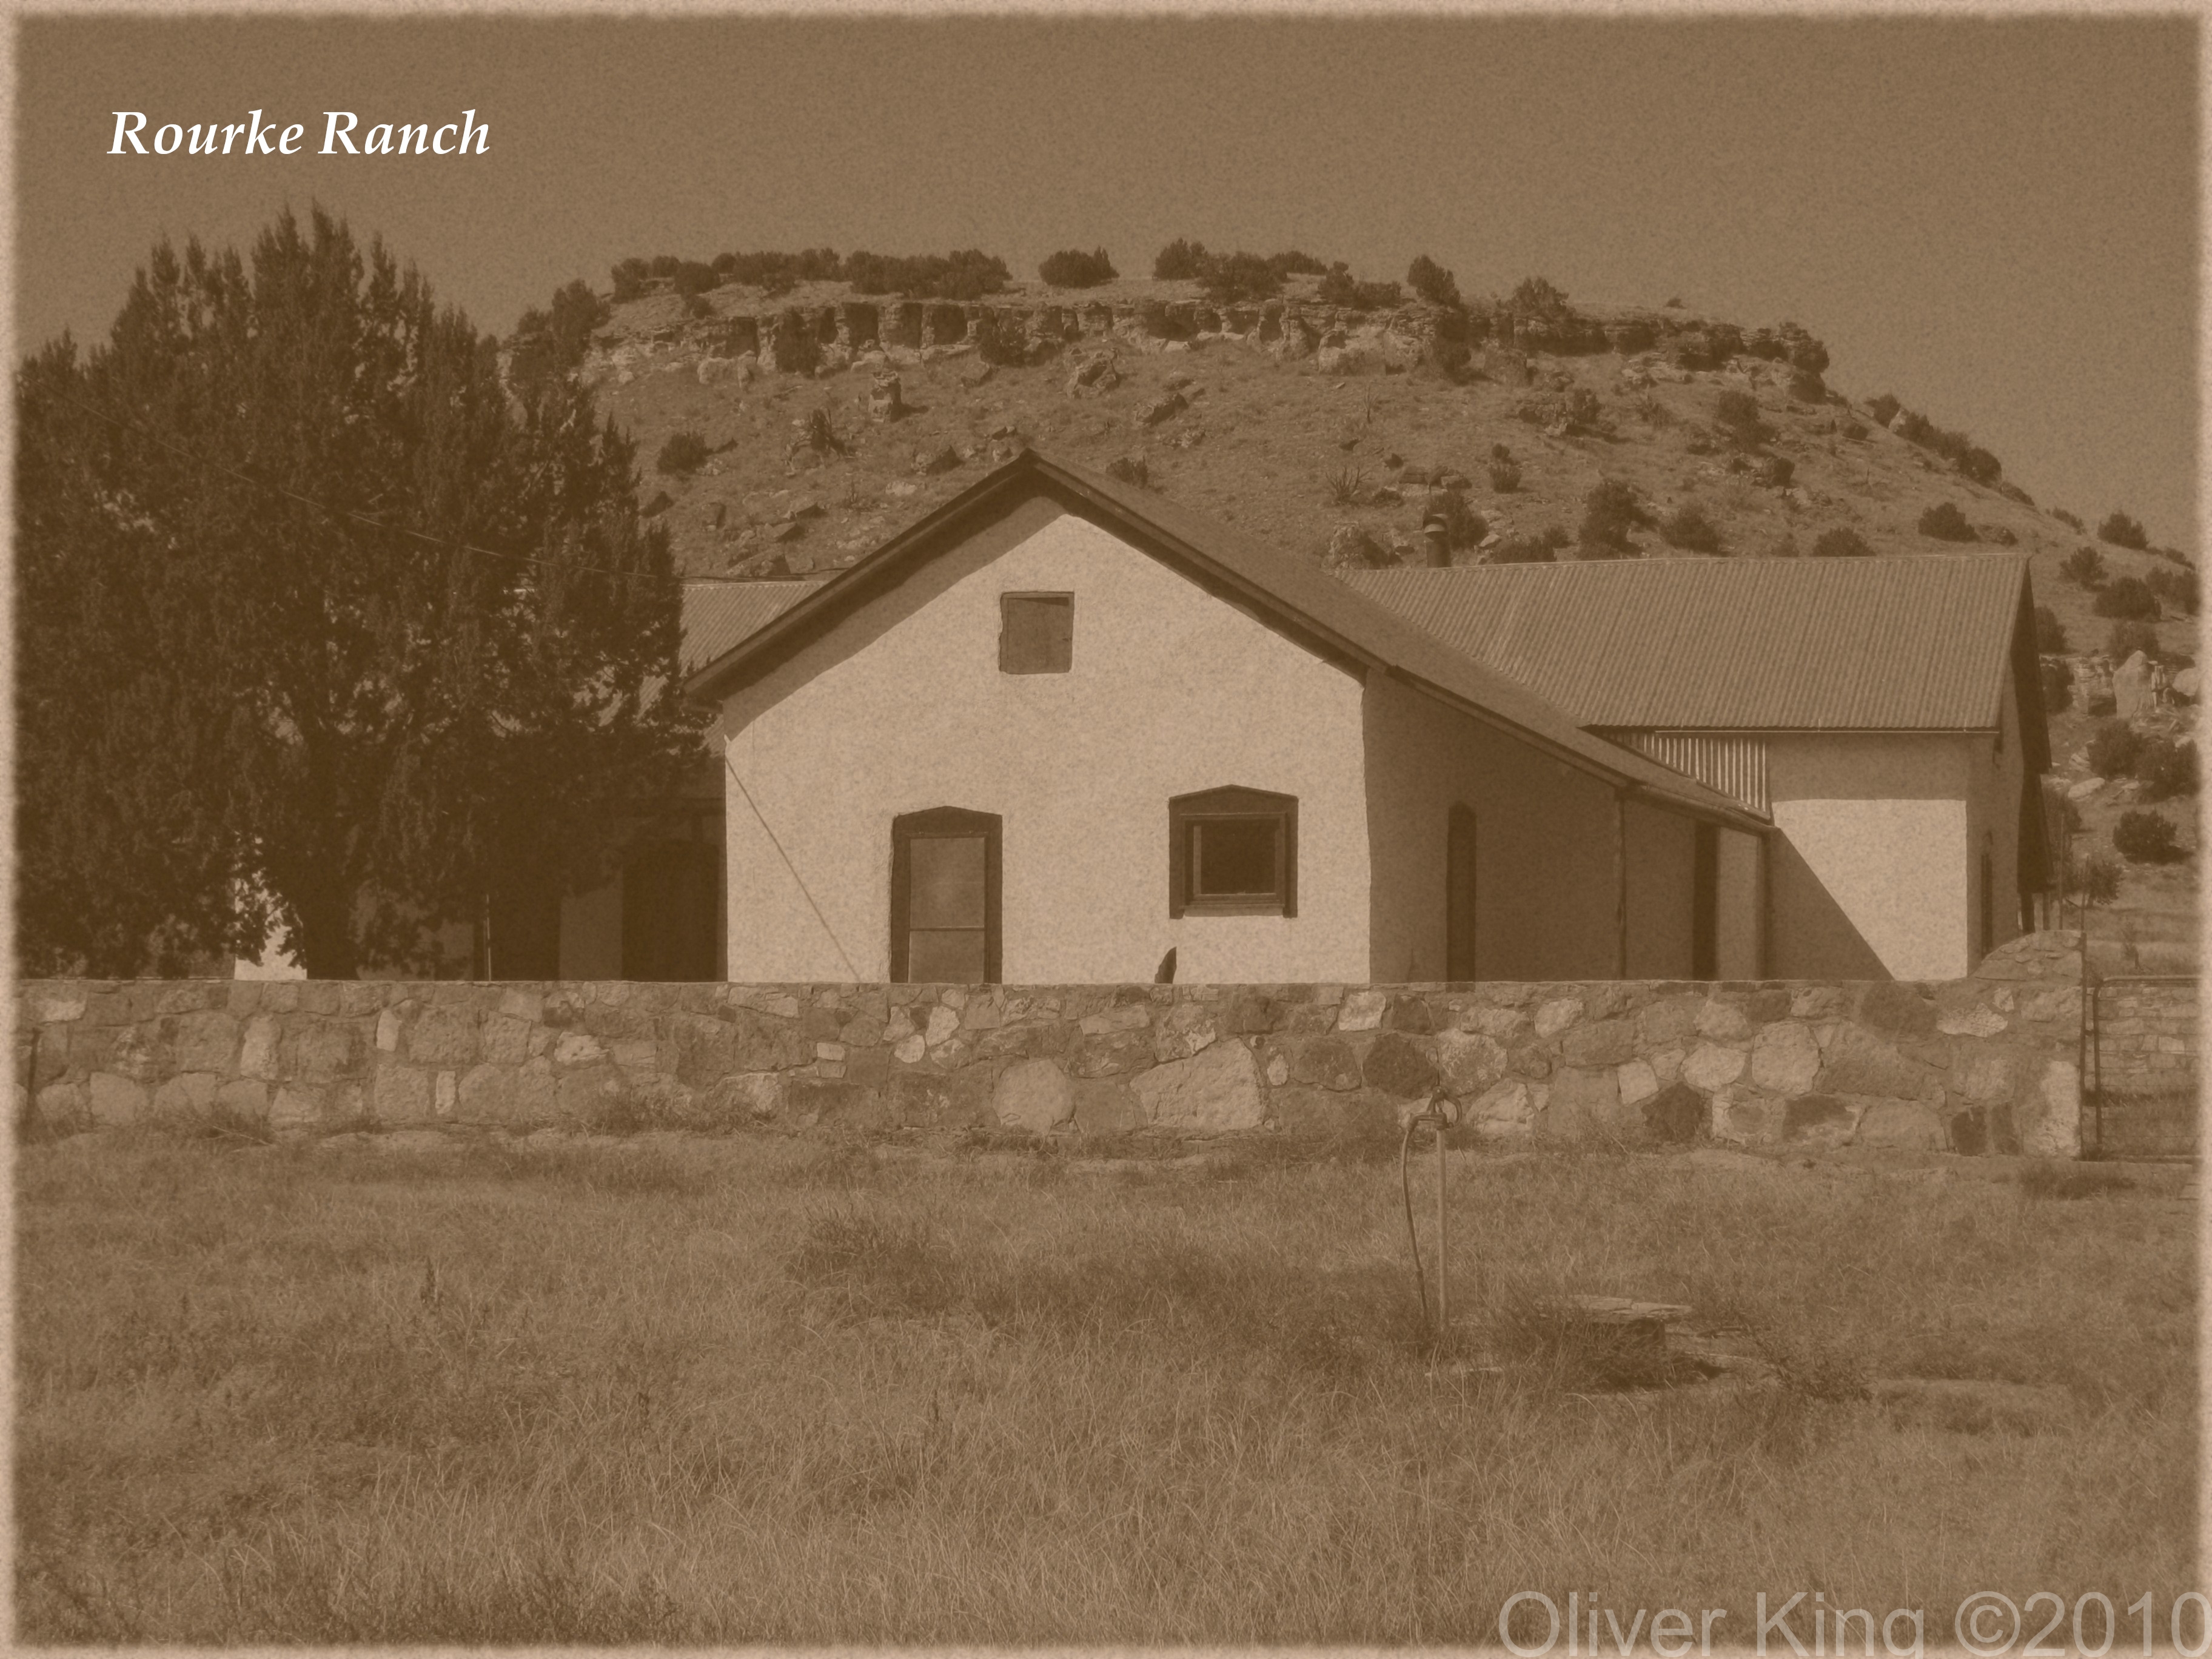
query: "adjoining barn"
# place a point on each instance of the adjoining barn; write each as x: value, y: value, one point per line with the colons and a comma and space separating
x: 1887, y: 714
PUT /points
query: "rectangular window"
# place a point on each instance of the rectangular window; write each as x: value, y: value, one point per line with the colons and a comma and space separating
x: 945, y: 898
x: 1232, y: 851
x: 1037, y: 633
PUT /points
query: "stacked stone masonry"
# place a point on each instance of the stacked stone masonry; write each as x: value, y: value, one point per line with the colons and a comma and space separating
x: 1985, y: 1065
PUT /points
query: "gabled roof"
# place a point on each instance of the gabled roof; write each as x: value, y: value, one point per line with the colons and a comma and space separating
x: 719, y: 614
x: 1287, y: 592
x: 1917, y: 643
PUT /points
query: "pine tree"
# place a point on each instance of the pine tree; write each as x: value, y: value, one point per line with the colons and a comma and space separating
x: 418, y: 639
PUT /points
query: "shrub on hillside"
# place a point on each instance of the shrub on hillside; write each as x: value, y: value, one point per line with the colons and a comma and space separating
x: 2063, y: 516
x: 554, y: 341
x: 1229, y: 277
x: 1178, y: 261
x: 1688, y: 528
x: 2168, y: 769
x: 1073, y: 268
x: 1944, y: 522
x: 1463, y: 526
x: 2127, y: 596
x: 2122, y: 532
x: 2093, y: 877
x: 2176, y: 588
x: 1737, y: 413
x: 1543, y: 548
x: 1537, y: 296
x: 2114, y: 748
x: 2084, y: 566
x: 1340, y: 287
x: 1883, y: 409
x: 1841, y: 542
x: 1505, y: 474
x: 1610, y: 511
x: 1433, y: 283
x: 2050, y: 632
x: 1979, y: 466
x: 963, y: 274
x: 2146, y: 838
x: 2057, y: 684
x: 681, y: 455
x: 2129, y: 637
x: 1295, y: 263
x: 1807, y: 387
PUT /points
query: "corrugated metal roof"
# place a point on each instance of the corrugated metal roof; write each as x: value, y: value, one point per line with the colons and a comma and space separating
x: 1917, y: 643
x: 719, y: 614
x: 1290, y: 587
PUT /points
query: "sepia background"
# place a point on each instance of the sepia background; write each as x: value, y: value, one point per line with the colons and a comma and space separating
x: 1997, y: 217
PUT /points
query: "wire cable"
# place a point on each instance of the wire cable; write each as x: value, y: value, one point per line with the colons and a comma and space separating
x: 793, y: 868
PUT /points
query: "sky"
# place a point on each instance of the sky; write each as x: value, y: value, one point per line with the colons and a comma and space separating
x: 1996, y: 219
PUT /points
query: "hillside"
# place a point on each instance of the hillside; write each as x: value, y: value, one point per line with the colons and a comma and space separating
x: 1319, y: 428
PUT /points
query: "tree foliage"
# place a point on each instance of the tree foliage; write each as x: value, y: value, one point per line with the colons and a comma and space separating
x: 319, y: 628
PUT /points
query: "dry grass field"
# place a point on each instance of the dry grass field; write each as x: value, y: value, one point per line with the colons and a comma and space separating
x: 762, y: 1390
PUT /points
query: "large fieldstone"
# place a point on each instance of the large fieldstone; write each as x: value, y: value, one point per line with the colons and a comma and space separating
x: 1554, y: 1017
x: 1397, y: 1064
x: 1581, y: 1103
x: 1674, y: 1115
x: 1857, y: 1063
x: 400, y: 1094
x: 2047, y: 1117
x: 1601, y: 1042
x: 116, y: 1101
x: 1034, y: 1095
x: 1215, y: 1090
x: 1505, y: 1109
x: 257, y: 1056
x: 1711, y: 1067
x: 188, y: 1095
x: 1327, y: 1062
x: 1902, y: 1125
x: 1467, y: 1063
x: 1784, y: 1059
x: 206, y: 1042
x: 443, y: 1037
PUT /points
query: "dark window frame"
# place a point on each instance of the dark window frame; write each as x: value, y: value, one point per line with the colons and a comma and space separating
x: 1462, y: 827
x: 1005, y: 632
x: 947, y: 822
x: 1233, y: 803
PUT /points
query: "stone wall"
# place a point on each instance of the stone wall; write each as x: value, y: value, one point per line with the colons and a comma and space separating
x: 1980, y: 1065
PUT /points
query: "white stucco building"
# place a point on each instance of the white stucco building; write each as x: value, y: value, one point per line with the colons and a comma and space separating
x: 1062, y: 728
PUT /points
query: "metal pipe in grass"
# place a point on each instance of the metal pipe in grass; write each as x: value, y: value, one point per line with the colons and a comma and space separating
x: 1433, y: 1115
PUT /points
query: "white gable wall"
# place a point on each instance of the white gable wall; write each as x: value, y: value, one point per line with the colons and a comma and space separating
x: 902, y: 708
x: 1873, y: 875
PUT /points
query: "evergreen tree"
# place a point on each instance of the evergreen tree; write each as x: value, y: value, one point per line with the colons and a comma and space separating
x: 417, y: 643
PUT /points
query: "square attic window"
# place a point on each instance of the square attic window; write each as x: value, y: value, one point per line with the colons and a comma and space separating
x: 1037, y: 633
